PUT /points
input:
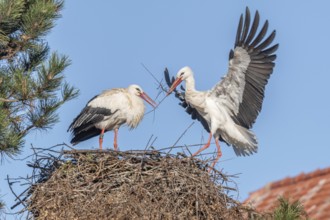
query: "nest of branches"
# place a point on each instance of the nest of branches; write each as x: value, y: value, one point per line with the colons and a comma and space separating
x: 129, y: 185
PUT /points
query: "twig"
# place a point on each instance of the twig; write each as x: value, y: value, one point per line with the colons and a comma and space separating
x: 17, y: 197
x: 184, y: 132
x: 146, y: 147
x: 180, y: 146
x: 159, y: 86
x: 188, y: 150
x: 37, y: 150
x: 153, y: 76
x: 150, y: 142
x: 154, y: 109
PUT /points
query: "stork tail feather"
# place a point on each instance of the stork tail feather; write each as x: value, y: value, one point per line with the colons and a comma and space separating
x: 246, y: 148
x: 85, y: 135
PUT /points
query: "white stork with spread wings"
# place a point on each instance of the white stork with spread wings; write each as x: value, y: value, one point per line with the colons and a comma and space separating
x: 230, y: 108
x: 108, y: 111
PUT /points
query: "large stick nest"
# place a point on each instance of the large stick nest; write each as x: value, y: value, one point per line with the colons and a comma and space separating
x: 129, y: 185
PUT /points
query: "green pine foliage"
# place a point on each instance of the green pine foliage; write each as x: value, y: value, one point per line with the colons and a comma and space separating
x: 32, y: 84
x: 289, y: 211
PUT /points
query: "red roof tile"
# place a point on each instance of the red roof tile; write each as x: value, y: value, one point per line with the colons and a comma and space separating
x: 311, y: 189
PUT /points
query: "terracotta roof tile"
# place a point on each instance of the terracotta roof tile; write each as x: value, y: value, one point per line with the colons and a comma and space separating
x: 312, y: 189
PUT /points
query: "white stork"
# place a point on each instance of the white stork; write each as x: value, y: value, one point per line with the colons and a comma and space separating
x: 108, y: 111
x: 230, y: 108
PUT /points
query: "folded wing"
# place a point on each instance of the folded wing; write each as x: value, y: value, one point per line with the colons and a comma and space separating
x: 83, y: 126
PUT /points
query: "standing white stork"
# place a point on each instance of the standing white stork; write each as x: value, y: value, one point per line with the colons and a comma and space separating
x: 229, y: 109
x: 108, y: 111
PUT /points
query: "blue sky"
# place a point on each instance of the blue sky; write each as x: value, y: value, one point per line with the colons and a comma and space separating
x: 108, y: 41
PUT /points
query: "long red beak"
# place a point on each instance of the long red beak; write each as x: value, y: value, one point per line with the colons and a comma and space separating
x: 176, y: 82
x: 146, y: 98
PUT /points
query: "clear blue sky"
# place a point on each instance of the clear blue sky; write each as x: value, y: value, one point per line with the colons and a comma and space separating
x: 108, y: 40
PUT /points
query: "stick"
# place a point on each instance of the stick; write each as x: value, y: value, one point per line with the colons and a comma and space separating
x: 184, y: 132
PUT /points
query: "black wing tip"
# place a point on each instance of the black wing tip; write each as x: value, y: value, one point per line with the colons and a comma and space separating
x: 244, y: 29
x: 166, y: 74
x: 74, y: 140
x: 231, y: 54
x: 239, y: 31
x: 253, y: 38
x: 71, y: 127
x: 248, y: 11
x: 167, y: 77
x: 257, y: 15
x: 266, y: 23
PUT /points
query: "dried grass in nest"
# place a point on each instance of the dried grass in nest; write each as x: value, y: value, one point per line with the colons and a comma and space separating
x: 131, y: 185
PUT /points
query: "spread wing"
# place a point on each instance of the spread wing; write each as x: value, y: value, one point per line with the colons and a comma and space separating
x: 250, y: 65
x: 181, y: 96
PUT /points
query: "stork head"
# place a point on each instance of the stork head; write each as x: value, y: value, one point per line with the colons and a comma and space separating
x: 182, y: 74
x: 137, y: 90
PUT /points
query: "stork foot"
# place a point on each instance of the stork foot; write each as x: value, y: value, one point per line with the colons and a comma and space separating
x: 101, y: 138
x: 115, y: 146
x: 204, y: 147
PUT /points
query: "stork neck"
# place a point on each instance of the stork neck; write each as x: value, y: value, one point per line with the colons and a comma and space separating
x: 190, y: 84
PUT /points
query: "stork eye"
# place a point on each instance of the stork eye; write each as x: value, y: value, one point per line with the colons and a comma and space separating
x: 139, y: 90
x: 181, y: 74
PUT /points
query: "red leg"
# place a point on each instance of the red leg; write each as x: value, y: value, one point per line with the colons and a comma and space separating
x: 115, y: 145
x: 101, y: 138
x: 219, y: 154
x: 205, y: 146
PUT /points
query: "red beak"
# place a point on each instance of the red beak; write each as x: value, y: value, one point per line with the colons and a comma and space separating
x: 174, y: 85
x: 146, y: 98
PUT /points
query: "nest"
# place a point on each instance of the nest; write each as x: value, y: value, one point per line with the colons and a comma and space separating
x: 129, y: 185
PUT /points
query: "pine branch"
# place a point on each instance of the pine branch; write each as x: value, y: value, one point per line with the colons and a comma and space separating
x: 33, y: 85
x: 8, y: 100
x: 289, y: 211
